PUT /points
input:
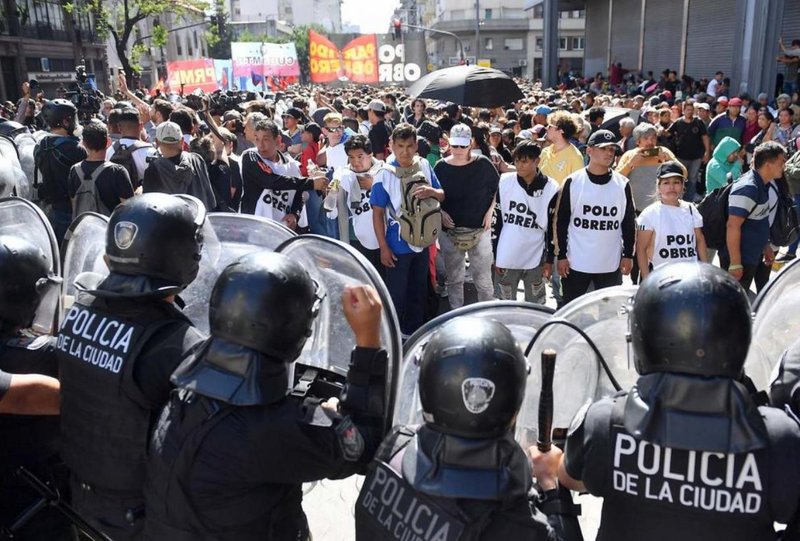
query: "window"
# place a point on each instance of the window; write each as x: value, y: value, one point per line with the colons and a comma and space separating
x: 487, y: 14
x: 538, y: 11
x: 577, y: 44
x: 539, y: 44
x: 562, y: 44
x: 196, y: 45
x: 513, y: 44
x: 237, y: 11
x: 189, y: 50
x: 488, y: 45
x: 178, y: 45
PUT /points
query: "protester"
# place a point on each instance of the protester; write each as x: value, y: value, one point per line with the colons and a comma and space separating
x: 469, y: 183
x: 527, y: 200
x: 669, y: 229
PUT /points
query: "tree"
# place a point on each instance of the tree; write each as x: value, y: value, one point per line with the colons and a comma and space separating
x: 219, y: 35
x: 118, y: 18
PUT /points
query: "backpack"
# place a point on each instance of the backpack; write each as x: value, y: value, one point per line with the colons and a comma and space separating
x: 86, y: 198
x: 714, y: 210
x: 123, y: 155
x: 420, y: 219
x: 41, y: 154
x: 784, y: 229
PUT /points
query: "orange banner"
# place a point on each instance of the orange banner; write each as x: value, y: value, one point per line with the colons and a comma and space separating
x: 356, y: 62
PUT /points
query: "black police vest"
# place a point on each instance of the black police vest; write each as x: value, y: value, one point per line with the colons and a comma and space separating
x: 105, y: 419
x: 184, y: 424
x: 661, y: 493
x: 390, y: 509
x: 28, y: 440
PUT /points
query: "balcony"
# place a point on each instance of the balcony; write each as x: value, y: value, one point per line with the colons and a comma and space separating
x: 44, y: 32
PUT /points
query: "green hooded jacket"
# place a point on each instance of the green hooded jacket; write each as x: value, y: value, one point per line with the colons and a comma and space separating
x: 718, y: 167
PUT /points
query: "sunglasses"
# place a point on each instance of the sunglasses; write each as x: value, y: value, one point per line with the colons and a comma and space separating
x: 334, y: 129
x: 459, y: 146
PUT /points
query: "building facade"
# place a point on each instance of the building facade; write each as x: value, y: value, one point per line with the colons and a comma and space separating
x: 40, y: 40
x: 186, y: 40
x: 693, y: 37
x: 509, y: 36
x: 327, y: 13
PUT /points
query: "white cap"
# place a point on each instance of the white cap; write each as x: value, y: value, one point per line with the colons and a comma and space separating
x: 460, y: 135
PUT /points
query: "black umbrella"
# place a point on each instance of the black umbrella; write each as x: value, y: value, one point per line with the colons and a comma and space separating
x: 473, y: 86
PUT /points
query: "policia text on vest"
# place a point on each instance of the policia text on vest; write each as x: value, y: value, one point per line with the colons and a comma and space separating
x: 720, y: 482
x: 97, y: 340
x: 396, y: 512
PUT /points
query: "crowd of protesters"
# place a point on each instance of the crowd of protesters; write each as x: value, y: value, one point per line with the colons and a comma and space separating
x: 574, y: 186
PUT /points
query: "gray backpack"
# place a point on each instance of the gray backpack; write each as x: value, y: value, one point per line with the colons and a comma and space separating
x: 420, y: 219
x: 86, y: 198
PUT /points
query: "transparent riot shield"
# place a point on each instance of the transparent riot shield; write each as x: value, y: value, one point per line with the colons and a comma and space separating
x: 335, y: 265
x: 84, y: 251
x: 12, y: 178
x: 25, y: 143
x: 582, y: 373
x: 21, y: 218
x: 227, y: 236
x: 523, y: 319
x: 326, y: 356
x: 776, y: 324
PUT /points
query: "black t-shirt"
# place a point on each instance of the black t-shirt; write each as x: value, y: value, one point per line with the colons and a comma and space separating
x: 468, y: 190
x: 58, y: 154
x: 219, y: 174
x: 688, y: 138
x: 112, y: 184
x: 379, y: 138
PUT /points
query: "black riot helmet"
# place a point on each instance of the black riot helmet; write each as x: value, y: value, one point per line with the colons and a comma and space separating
x: 472, y: 378
x: 24, y: 275
x: 60, y: 113
x: 691, y: 318
x: 159, y: 236
x: 267, y: 302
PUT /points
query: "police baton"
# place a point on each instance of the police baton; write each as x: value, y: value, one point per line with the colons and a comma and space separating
x: 562, y: 510
x: 50, y: 498
x: 545, y: 439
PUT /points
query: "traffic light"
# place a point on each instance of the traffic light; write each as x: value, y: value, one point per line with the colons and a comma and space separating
x: 398, y: 28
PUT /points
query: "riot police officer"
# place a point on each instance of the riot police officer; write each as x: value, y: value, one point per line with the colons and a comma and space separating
x: 54, y: 155
x: 117, y: 347
x: 28, y: 368
x: 231, y: 450
x: 687, y: 453
x: 460, y: 475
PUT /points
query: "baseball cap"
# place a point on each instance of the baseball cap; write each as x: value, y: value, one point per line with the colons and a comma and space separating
x: 460, y: 135
x: 495, y: 129
x: 602, y: 138
x: 671, y: 169
x: 722, y: 99
x: 231, y: 115
x: 735, y: 102
x: 169, y: 133
x: 783, y: 97
x: 542, y: 110
x: 525, y: 134
x: 295, y: 113
x: 704, y: 105
x: 377, y: 105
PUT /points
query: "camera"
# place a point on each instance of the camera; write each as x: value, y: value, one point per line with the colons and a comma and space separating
x: 83, y: 94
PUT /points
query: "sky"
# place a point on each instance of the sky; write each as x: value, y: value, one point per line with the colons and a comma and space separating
x: 371, y: 15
